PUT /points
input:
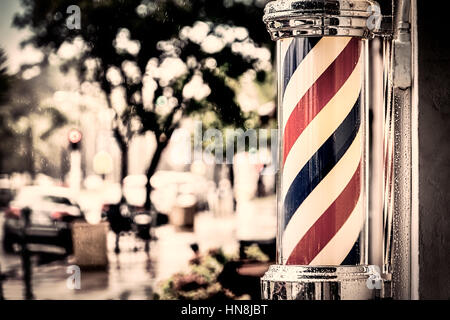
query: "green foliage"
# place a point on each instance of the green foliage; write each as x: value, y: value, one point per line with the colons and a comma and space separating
x: 20, y: 113
x: 157, y: 30
x: 4, y: 78
x: 157, y: 21
x: 201, y: 281
x: 253, y: 252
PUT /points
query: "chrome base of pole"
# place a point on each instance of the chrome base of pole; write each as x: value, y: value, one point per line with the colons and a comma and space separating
x: 286, y: 282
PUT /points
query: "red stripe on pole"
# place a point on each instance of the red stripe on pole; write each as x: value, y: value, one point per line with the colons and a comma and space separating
x: 329, y: 223
x: 320, y: 93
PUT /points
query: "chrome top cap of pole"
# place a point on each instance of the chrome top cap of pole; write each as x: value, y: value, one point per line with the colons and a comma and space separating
x: 317, y: 18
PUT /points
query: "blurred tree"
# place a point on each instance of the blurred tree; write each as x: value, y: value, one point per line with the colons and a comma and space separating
x: 4, y: 78
x: 34, y: 123
x: 20, y: 115
x: 155, y: 61
x: 5, y: 132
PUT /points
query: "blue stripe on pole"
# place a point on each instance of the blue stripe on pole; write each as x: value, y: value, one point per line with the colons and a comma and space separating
x: 297, y: 51
x: 322, y: 162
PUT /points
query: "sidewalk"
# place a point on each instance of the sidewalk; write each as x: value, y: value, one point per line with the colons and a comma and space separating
x: 134, y: 274
x: 130, y: 274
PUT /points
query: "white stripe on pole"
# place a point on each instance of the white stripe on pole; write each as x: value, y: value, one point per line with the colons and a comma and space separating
x: 313, y: 65
x: 321, y: 128
x: 321, y: 197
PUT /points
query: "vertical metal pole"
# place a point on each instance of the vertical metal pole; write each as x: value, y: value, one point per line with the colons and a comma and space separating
x: 402, y: 78
x: 376, y: 151
x: 415, y: 158
x: 26, y: 256
x: 75, y: 171
x: 2, y: 297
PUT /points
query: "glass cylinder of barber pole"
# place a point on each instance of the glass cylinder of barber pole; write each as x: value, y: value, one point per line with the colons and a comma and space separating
x: 322, y: 191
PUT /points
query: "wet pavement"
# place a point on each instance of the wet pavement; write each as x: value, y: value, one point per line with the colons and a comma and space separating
x: 133, y: 273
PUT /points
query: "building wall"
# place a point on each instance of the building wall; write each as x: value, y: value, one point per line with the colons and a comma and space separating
x: 434, y: 150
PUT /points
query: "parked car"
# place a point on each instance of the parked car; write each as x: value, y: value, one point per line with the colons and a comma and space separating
x: 6, y: 191
x: 52, y: 211
x: 6, y: 195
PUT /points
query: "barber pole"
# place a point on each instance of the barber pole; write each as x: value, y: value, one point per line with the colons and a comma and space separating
x: 322, y: 178
x: 322, y: 65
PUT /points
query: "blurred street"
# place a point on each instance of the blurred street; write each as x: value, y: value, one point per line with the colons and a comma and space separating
x: 131, y: 274
x: 111, y: 160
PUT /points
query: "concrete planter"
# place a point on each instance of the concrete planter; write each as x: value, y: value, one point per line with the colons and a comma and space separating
x: 89, y: 244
